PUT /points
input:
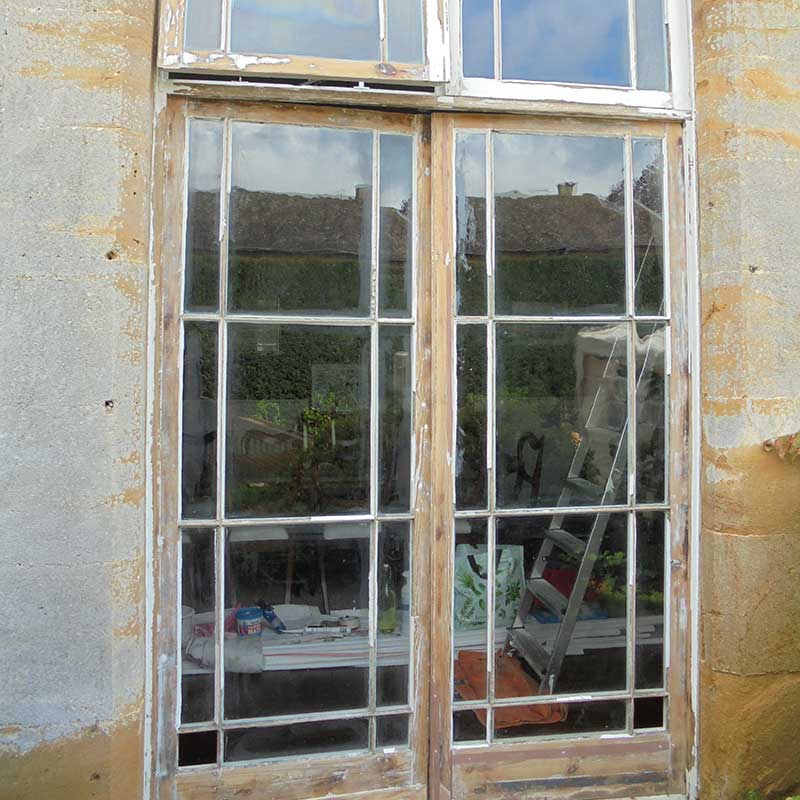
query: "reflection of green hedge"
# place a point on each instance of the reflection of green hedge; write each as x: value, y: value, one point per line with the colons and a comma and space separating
x: 282, y: 370
x: 278, y: 282
x: 562, y: 283
x: 565, y: 283
x: 286, y: 282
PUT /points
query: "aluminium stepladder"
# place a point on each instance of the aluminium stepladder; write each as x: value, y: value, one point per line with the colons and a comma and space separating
x: 547, y: 664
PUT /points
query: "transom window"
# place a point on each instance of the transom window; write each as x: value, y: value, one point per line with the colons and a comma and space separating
x: 611, y: 43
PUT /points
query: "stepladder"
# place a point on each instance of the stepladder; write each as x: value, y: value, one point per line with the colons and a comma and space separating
x: 604, y: 431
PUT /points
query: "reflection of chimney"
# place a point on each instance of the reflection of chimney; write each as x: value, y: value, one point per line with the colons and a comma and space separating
x: 364, y: 193
x: 567, y: 189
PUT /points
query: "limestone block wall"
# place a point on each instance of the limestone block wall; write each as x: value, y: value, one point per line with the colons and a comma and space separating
x: 747, y: 58
x: 76, y: 107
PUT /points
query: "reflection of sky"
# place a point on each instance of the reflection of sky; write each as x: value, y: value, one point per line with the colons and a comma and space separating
x: 404, y: 31
x: 471, y: 165
x: 477, y: 35
x: 396, y: 166
x: 574, y: 41
x: 323, y: 28
x: 533, y: 164
x: 292, y: 159
x: 205, y: 154
x: 651, y: 65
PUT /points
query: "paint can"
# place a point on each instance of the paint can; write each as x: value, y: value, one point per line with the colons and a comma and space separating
x: 248, y: 621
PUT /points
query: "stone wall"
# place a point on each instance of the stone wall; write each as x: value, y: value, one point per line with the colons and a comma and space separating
x: 77, y: 101
x: 747, y: 58
x: 76, y: 98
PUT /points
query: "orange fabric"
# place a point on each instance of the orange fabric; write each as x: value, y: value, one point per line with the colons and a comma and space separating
x: 511, y: 680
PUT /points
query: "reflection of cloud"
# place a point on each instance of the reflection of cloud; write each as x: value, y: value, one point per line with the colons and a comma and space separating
x: 396, y: 166
x: 471, y: 165
x: 477, y: 35
x: 205, y: 154
x: 573, y: 41
x: 322, y: 28
x: 292, y: 159
x: 535, y: 164
x: 404, y: 31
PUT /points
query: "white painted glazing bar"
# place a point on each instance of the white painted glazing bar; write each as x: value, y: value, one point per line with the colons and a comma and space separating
x: 225, y: 28
x: 632, y: 44
x: 565, y: 510
x: 382, y: 15
x: 219, y: 634
x: 222, y: 406
x: 498, y: 48
x: 374, y: 433
x: 666, y: 221
x: 315, y: 716
x: 630, y: 662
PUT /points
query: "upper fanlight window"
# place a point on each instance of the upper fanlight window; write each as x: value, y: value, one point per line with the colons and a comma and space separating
x: 370, y: 40
x: 610, y: 43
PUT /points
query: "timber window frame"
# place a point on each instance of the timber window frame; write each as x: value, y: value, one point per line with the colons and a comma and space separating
x: 675, y: 100
x: 650, y: 762
x: 630, y: 761
x: 174, y: 55
x: 401, y: 767
x: 204, y: 84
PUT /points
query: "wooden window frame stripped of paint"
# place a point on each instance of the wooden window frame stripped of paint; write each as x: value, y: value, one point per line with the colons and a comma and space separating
x: 441, y: 74
x: 405, y: 767
x: 633, y: 763
x: 223, y: 61
x: 646, y: 762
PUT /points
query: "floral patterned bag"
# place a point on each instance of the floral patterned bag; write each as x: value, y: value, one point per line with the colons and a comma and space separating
x: 470, y: 585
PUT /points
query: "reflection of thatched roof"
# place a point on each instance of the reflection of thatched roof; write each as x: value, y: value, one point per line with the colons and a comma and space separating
x: 264, y: 222
x: 554, y: 223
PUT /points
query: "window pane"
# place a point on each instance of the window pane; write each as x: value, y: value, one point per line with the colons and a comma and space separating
x: 477, y: 38
x: 404, y: 31
x: 469, y: 610
x: 198, y: 598
x: 651, y: 45
x: 566, y: 41
x: 322, y: 28
x: 203, y: 24
x: 392, y: 731
x: 648, y: 712
x: 202, y: 223
x: 470, y: 224
x: 199, y: 440
x: 195, y: 749
x: 560, y: 224
x: 584, y: 554
x: 301, y: 220
x: 650, y: 607
x: 561, y: 415
x: 648, y: 225
x: 395, y: 418
x: 651, y: 413
x: 324, y: 736
x: 312, y: 576
x: 298, y: 420
x: 517, y: 722
x: 394, y: 608
x: 471, y: 431
x: 468, y: 727
x: 396, y: 224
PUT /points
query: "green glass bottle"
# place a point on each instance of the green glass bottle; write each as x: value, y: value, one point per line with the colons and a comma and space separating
x: 387, y: 603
